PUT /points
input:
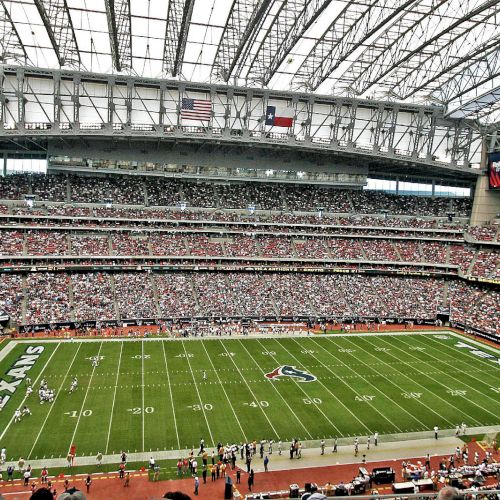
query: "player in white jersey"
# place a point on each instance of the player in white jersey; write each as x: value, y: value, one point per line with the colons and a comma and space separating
x: 74, y: 385
x: 95, y: 362
x: 26, y: 411
x: 49, y: 395
x: 17, y: 415
x: 29, y: 390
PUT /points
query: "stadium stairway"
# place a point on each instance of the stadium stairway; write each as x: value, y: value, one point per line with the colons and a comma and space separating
x: 472, y: 263
x: 24, y: 302
x: 195, y: 294
x: 396, y: 251
x: 113, y: 291
x: 445, y: 294
x: 71, y: 297
x: 448, y: 253
x: 156, y: 295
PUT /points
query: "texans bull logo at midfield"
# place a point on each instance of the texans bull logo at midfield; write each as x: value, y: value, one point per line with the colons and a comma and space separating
x: 291, y: 371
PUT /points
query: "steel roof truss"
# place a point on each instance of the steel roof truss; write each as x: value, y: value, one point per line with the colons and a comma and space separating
x: 57, y: 21
x: 289, y: 25
x: 439, y: 55
x: 176, y: 33
x: 353, y: 27
x: 120, y: 33
x: 244, y: 21
x: 11, y: 46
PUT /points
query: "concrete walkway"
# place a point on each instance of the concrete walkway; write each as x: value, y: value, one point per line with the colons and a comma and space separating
x: 389, y: 448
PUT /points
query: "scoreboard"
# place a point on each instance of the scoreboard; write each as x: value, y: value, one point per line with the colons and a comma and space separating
x: 494, y: 170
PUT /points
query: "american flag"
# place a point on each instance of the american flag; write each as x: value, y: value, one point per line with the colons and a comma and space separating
x: 196, y: 109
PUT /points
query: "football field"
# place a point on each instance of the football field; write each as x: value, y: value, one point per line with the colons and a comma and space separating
x: 160, y: 394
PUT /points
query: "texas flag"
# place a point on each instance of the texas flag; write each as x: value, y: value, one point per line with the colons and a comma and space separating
x: 277, y: 116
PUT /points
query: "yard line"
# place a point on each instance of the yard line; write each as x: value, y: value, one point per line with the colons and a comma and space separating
x: 251, y: 392
x: 447, y: 374
x: 34, y: 383
x: 470, y: 374
x: 199, y: 396
x: 84, y: 399
x: 274, y: 387
x: 225, y: 393
x: 366, y: 380
x: 142, y: 373
x: 171, y: 397
x: 477, y: 343
x: 114, y: 397
x: 415, y: 382
x: 326, y: 388
x: 54, y: 402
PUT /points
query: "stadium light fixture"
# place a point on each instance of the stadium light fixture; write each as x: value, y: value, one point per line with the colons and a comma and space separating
x: 251, y: 208
x: 269, y: 172
x: 108, y: 202
x: 300, y: 174
x: 182, y: 205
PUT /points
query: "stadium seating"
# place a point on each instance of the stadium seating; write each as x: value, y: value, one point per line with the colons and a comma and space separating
x: 53, y: 297
x: 146, y: 224
x: 128, y: 190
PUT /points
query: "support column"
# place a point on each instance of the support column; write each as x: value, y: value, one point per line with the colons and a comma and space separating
x: 486, y: 204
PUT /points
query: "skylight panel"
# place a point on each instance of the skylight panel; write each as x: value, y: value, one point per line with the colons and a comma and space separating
x: 209, y: 11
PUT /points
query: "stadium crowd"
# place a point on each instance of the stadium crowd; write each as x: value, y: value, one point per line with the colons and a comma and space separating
x: 157, y: 217
x: 132, y: 190
x: 51, y: 297
x: 60, y: 242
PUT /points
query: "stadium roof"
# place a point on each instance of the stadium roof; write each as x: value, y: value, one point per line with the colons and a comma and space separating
x: 444, y: 52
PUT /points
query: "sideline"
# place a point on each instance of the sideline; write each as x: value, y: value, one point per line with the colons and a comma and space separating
x: 388, y: 443
x: 32, y: 340
x: 483, y: 345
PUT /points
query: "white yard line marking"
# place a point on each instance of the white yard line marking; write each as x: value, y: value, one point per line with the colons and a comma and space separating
x: 225, y: 393
x: 291, y: 411
x: 24, y: 399
x: 171, y: 397
x: 373, y: 385
x: 114, y: 397
x: 413, y: 381
x: 142, y: 373
x: 84, y: 399
x: 199, y: 396
x: 312, y: 399
x: 367, y: 381
x: 465, y: 338
x: 454, y: 349
x: 7, y: 349
x: 54, y: 402
x: 250, y: 390
x: 468, y: 399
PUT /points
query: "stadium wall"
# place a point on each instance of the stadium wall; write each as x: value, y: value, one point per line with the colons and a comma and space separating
x: 486, y: 204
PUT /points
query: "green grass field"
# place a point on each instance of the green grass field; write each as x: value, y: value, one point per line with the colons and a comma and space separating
x: 150, y: 395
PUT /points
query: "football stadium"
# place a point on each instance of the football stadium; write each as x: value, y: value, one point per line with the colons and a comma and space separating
x: 249, y: 249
